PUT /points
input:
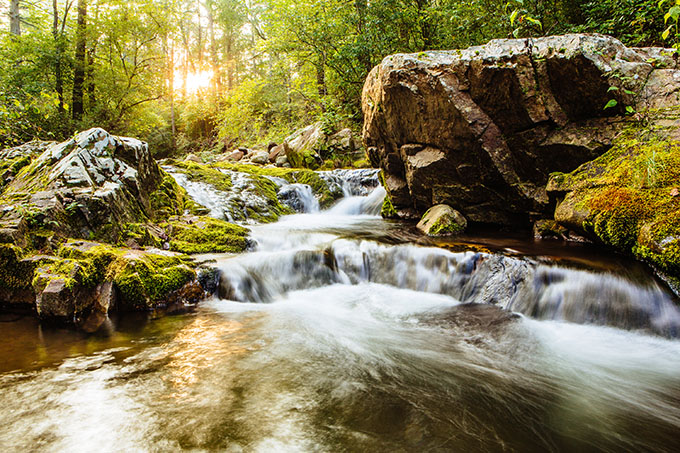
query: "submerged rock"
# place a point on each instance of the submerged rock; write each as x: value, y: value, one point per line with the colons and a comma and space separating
x: 481, y: 129
x: 442, y: 220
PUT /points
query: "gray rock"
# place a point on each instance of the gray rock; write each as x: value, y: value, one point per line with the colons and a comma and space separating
x: 260, y: 157
x: 91, y: 181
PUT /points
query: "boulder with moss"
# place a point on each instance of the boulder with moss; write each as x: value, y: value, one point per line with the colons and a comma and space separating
x: 481, y: 129
x: 442, y: 220
x: 88, y: 186
x: 244, y: 193
x: 628, y: 199
x: 84, y: 281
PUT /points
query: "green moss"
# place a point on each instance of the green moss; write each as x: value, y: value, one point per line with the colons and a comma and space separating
x: 143, y: 235
x: 169, y: 199
x: 14, y: 274
x: 145, y: 281
x: 11, y: 167
x: 387, y: 210
x: 206, y: 174
x: 292, y: 175
x: 445, y: 226
x: 630, y: 195
x: 207, y: 235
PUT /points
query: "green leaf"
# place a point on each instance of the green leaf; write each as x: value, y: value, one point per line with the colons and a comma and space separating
x: 612, y: 89
x: 611, y: 104
x: 666, y: 32
x: 630, y: 110
x: 513, y: 16
x: 534, y: 21
x: 632, y: 93
x: 673, y: 13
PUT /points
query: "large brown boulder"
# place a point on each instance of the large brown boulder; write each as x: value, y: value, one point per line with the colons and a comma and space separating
x: 481, y: 129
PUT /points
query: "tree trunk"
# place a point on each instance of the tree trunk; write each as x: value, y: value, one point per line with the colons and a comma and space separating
x: 230, y: 62
x: 365, y: 55
x: 216, y: 76
x: 14, y: 18
x: 321, y: 81
x: 59, y: 50
x: 171, y: 87
x: 200, y: 36
x: 80, y: 62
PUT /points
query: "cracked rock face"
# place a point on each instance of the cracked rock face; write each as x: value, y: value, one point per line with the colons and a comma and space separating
x: 481, y: 129
x: 91, y: 181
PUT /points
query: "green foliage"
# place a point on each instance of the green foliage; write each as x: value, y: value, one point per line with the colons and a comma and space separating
x: 277, y: 65
x: 672, y: 21
x: 522, y: 19
x: 634, y: 22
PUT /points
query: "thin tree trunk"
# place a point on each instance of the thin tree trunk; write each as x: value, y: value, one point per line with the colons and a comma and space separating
x: 321, y: 82
x: 14, y: 18
x: 200, y: 36
x: 216, y: 78
x: 171, y: 86
x: 59, y: 49
x: 80, y: 62
x: 230, y: 63
x: 321, y: 78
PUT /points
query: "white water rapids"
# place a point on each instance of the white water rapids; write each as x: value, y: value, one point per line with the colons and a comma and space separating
x: 332, y: 336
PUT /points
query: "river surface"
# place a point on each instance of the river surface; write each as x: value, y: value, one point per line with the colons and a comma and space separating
x: 344, y: 332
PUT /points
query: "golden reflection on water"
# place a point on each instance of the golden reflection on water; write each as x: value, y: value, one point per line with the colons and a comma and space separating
x: 201, y: 345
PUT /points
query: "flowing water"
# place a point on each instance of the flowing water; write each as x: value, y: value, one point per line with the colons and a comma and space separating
x: 340, y: 333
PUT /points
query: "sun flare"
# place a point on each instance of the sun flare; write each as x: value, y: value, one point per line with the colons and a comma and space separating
x: 195, y: 81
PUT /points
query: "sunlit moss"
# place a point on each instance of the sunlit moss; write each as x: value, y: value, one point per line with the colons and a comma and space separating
x: 630, y: 195
x: 207, y: 235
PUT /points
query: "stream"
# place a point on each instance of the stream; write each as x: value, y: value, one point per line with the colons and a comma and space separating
x: 341, y: 331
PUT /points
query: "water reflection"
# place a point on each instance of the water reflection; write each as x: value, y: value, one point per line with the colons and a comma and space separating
x: 198, y: 347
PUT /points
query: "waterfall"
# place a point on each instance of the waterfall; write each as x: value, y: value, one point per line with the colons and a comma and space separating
x: 525, y: 286
x: 244, y: 196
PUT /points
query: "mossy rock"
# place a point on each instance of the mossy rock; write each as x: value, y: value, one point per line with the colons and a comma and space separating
x: 206, y: 235
x: 628, y: 199
x: 15, y: 273
x: 442, y: 220
x: 260, y: 177
x: 144, y: 279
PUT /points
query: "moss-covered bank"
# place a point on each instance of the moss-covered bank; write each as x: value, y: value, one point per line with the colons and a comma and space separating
x: 211, y: 174
x: 629, y: 199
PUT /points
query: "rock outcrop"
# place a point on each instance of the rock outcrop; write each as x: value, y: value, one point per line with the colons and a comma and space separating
x: 88, y: 186
x: 628, y: 199
x: 137, y: 223
x: 481, y: 129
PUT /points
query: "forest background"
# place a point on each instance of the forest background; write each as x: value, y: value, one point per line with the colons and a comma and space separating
x: 209, y: 75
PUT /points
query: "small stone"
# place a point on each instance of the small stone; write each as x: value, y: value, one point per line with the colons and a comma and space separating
x: 675, y: 192
x: 442, y: 220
